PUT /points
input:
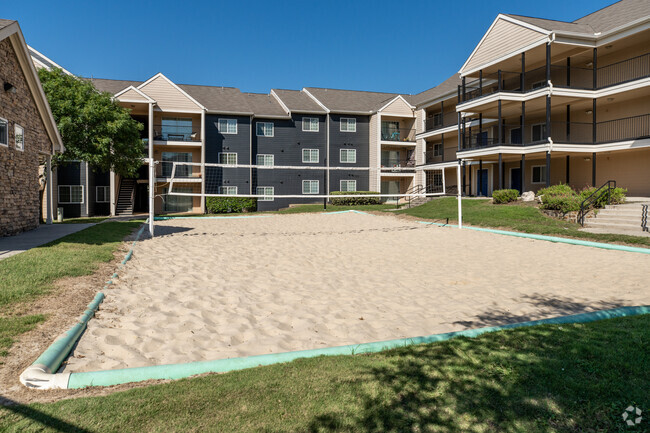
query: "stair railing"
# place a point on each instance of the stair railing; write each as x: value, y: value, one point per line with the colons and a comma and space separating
x: 644, y: 217
x: 417, y: 189
x: 595, y: 197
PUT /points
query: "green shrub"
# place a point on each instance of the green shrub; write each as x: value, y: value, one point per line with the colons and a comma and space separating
x: 230, y: 204
x: 617, y: 196
x: 501, y: 196
x: 355, y: 201
x: 560, y: 198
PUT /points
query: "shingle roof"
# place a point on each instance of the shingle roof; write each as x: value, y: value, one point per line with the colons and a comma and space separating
x: 112, y: 86
x: 447, y: 86
x: 616, y: 15
x: 298, y: 101
x: 5, y: 23
x: 553, y: 25
x: 264, y: 105
x: 221, y: 99
x: 351, y: 101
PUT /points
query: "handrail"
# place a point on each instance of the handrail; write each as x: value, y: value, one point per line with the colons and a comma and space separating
x: 417, y: 189
x: 644, y: 217
x: 594, y: 197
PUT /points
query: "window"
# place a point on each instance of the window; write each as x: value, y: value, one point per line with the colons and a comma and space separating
x: 390, y: 130
x: 434, y: 181
x: 228, y: 126
x: 310, y: 124
x: 437, y: 149
x: 310, y: 187
x: 348, y: 185
x: 349, y: 156
x: 19, y: 135
x: 348, y: 124
x: 265, y: 129
x: 310, y: 155
x: 228, y: 190
x: 176, y: 129
x: 539, y: 174
x: 4, y: 132
x: 539, y: 132
x: 102, y: 194
x: 266, y: 159
x: 178, y: 203
x: 70, y: 194
x: 168, y: 158
x: 228, y: 158
x: 515, y: 136
x: 266, y: 191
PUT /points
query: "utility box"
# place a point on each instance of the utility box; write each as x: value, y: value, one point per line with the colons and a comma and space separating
x: 59, y: 214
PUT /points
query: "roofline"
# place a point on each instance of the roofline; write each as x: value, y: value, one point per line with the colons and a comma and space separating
x: 15, y: 35
x: 394, y: 99
x: 271, y: 116
x: 327, y: 110
x: 282, y: 104
x: 138, y: 91
x: 437, y: 99
x: 160, y: 74
x: 230, y: 113
x: 48, y: 59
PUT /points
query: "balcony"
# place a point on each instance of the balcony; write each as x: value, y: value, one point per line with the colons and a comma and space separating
x: 396, y: 165
x: 440, y: 120
x: 398, y: 135
x: 562, y: 75
x: 181, y: 133
x: 433, y: 157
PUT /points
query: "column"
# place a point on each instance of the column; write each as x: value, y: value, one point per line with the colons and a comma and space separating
x: 593, y: 169
x: 548, y: 169
x: 499, y: 124
x: 500, y: 171
x: 523, y: 173
x: 480, y: 178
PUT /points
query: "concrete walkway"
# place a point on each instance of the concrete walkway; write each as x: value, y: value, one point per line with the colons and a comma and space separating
x: 12, y: 245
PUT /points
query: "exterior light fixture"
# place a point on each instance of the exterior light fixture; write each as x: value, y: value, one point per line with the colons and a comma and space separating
x: 9, y: 88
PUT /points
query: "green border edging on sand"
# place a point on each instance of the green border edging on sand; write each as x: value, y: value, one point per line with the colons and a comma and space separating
x: 550, y: 238
x: 164, y: 218
x: 179, y: 371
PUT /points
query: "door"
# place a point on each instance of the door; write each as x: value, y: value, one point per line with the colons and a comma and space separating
x: 515, y: 179
x: 390, y: 187
x: 482, y: 182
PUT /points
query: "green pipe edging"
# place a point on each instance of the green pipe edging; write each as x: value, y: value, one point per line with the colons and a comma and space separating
x: 550, y: 238
x: 54, y: 355
x: 164, y: 218
x: 178, y: 371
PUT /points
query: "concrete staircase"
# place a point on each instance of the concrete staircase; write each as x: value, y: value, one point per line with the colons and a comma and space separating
x: 622, y: 218
x: 124, y: 204
x: 417, y: 201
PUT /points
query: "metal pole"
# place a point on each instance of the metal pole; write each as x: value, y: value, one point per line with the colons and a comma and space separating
x: 459, y: 196
x: 325, y: 185
x: 152, y: 185
x: 48, y: 189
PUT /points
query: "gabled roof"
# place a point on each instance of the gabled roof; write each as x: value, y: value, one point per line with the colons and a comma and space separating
x: 112, y: 86
x: 616, y: 15
x: 5, y: 23
x: 447, y: 87
x: 264, y: 105
x: 552, y: 25
x: 351, y: 101
x: 219, y: 99
x: 298, y: 101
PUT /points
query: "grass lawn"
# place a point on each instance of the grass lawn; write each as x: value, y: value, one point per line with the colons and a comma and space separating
x: 520, y: 217
x: 84, y: 220
x: 32, y: 273
x: 565, y: 378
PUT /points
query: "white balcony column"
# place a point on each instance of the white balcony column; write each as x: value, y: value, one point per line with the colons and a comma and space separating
x: 203, y: 161
x: 152, y: 168
x: 48, y: 189
x: 112, y: 183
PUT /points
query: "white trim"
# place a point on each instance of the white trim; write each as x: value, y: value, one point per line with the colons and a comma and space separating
x: 310, y: 193
x: 264, y: 155
x: 70, y: 202
x: 532, y: 174
x: 226, y: 154
x: 271, y: 197
x: 504, y: 96
x: 393, y: 100
x: 226, y: 188
x: 282, y: 104
x: 30, y: 48
x: 347, y: 180
x: 2, y: 119
x: 264, y: 129
x: 302, y: 121
x: 160, y: 74
x: 327, y: 110
x: 347, y: 119
x: 138, y: 91
x: 310, y: 156
x: 107, y: 190
x: 347, y: 150
x: 227, y: 120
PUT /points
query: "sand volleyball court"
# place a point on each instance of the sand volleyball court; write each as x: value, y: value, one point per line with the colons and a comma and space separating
x: 206, y: 289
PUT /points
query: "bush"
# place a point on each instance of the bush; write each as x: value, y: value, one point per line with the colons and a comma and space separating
x: 560, y: 198
x: 355, y: 201
x: 617, y: 196
x: 230, y: 204
x: 501, y: 196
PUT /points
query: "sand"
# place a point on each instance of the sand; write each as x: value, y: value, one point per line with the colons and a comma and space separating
x: 207, y: 289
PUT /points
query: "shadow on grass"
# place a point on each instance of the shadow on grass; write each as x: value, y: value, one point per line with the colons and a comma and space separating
x: 99, y: 234
x: 40, y: 417
x: 565, y: 378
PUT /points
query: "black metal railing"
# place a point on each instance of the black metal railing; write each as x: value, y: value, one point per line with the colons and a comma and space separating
x: 626, y: 70
x: 597, y: 198
x: 433, y: 157
x: 397, y: 134
x: 175, y: 133
x: 440, y: 120
x: 608, y: 131
x: 397, y: 164
x: 644, y: 217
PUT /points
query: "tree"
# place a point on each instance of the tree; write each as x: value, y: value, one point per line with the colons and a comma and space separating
x: 93, y: 126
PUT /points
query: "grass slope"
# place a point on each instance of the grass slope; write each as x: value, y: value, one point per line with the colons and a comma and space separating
x: 519, y: 217
x: 565, y: 378
x: 32, y: 273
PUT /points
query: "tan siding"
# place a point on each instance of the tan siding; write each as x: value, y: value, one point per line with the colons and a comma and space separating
x: 504, y: 38
x: 167, y: 96
x: 398, y: 107
x: 373, y: 156
x: 132, y: 95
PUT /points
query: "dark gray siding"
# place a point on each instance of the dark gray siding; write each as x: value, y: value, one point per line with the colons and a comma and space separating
x: 72, y: 173
x: 358, y: 140
x: 99, y: 178
x: 215, y: 143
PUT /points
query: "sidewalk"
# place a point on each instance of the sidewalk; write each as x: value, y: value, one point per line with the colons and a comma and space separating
x: 13, y: 245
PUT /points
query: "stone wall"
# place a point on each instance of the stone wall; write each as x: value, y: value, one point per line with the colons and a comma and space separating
x: 19, y: 187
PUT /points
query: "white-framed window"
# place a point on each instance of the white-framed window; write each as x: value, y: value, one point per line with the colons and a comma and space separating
x: 228, y: 158
x: 267, y: 192
x: 264, y: 129
x: 348, y: 124
x: 19, y: 136
x: 310, y: 124
x: 539, y: 174
x: 266, y: 159
x: 229, y: 190
x: 348, y: 156
x: 71, y: 194
x: 227, y: 126
x: 4, y: 132
x: 102, y: 194
x: 310, y: 187
x: 538, y: 132
x: 348, y: 185
x: 310, y: 155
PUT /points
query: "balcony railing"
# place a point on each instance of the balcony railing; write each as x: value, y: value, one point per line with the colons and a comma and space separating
x: 394, y: 134
x: 175, y: 133
x: 394, y: 164
x: 439, y: 121
x: 432, y: 157
x: 566, y: 76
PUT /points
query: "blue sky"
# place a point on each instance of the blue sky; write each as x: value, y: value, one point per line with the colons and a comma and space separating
x: 391, y: 46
